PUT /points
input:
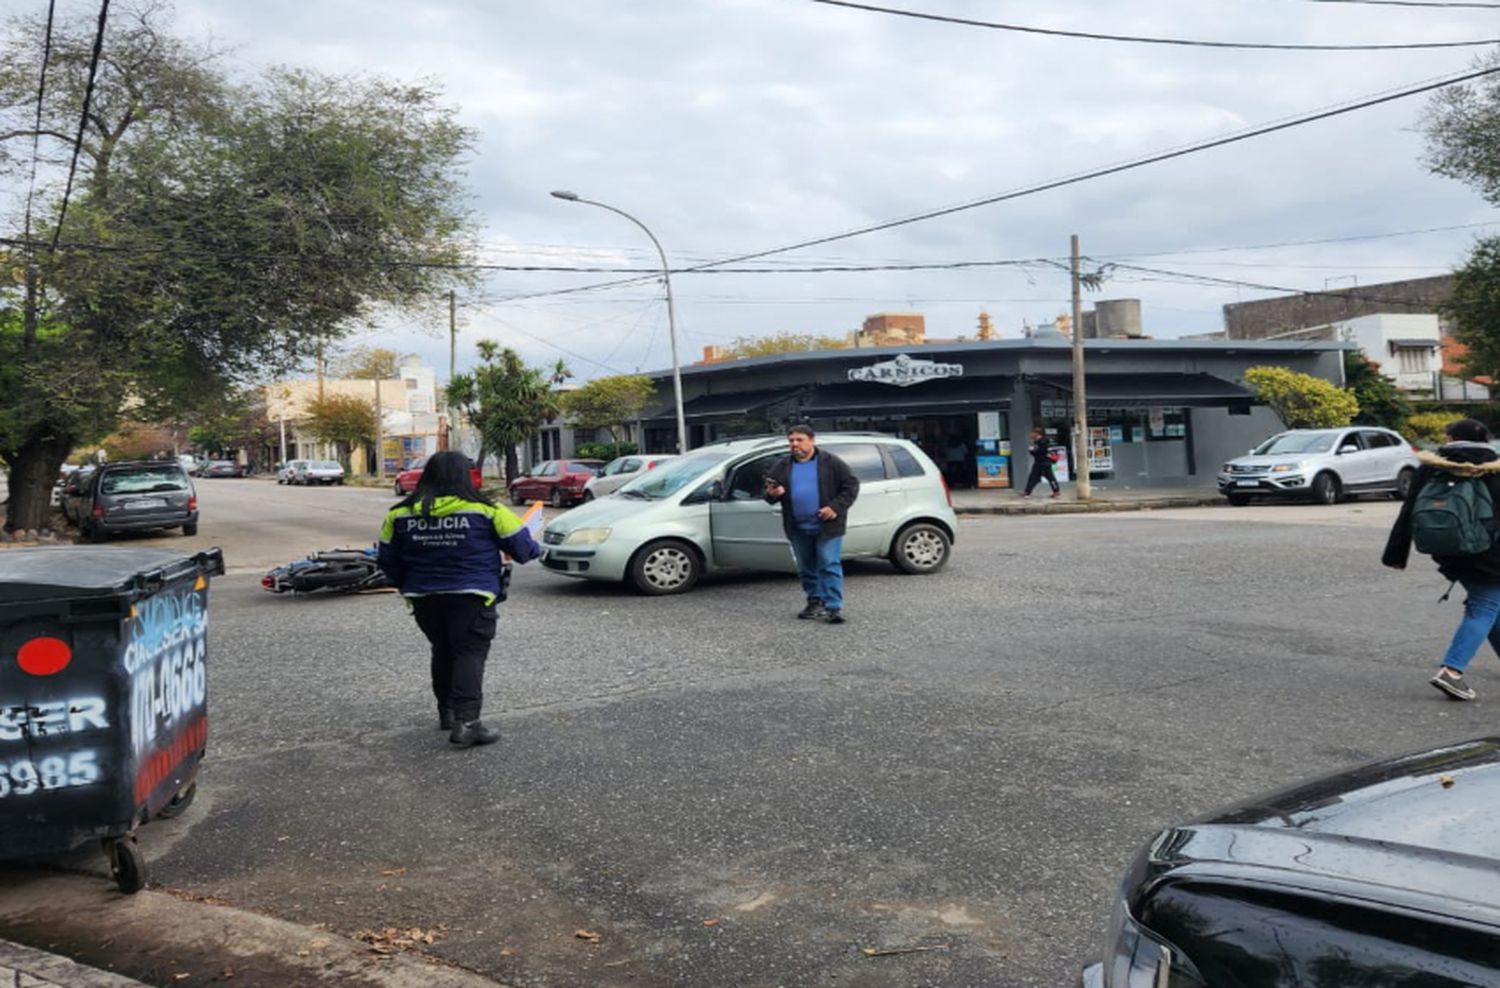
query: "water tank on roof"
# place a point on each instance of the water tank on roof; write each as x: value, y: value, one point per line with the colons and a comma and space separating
x: 1118, y: 317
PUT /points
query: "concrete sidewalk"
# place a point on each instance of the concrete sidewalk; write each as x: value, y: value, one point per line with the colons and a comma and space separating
x: 23, y: 967
x: 1106, y: 497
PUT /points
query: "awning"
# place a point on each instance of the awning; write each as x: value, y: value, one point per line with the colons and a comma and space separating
x: 940, y: 397
x: 714, y: 406
x: 1414, y: 344
x: 1150, y: 389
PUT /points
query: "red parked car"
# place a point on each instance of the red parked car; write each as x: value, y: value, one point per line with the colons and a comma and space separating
x: 406, y: 480
x: 558, y: 482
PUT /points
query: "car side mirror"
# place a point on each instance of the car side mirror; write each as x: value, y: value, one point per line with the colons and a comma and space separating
x: 1347, y: 449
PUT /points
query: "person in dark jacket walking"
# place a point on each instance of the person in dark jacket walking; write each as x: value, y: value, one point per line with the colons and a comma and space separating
x: 815, y: 490
x: 1041, y: 464
x: 1468, y: 453
x: 441, y: 548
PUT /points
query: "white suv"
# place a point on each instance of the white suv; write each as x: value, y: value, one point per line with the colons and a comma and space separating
x: 1322, y: 464
x: 706, y: 511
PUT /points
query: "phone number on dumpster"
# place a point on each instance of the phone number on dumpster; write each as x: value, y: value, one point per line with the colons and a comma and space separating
x: 26, y: 777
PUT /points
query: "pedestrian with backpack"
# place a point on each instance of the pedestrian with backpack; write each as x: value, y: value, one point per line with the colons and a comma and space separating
x: 1450, y: 514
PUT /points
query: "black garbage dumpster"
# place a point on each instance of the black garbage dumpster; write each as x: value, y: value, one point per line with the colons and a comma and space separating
x: 103, y: 696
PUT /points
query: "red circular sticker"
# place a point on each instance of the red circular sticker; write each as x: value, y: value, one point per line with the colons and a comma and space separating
x: 44, y: 656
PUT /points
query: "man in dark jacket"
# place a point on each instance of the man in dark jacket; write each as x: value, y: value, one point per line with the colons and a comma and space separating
x: 1467, y: 454
x: 1041, y: 464
x: 815, y: 490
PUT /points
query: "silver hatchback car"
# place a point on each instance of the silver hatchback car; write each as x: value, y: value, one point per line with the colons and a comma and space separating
x: 1322, y: 464
x: 707, y: 511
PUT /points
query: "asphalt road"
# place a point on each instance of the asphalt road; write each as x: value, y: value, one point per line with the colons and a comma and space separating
x: 727, y: 796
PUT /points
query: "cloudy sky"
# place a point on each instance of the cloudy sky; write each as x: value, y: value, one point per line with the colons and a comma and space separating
x: 732, y: 126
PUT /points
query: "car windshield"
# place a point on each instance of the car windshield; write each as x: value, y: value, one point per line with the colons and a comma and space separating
x: 144, y: 480
x: 1297, y: 442
x: 669, y: 478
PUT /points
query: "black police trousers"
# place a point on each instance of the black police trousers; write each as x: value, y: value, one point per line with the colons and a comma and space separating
x: 460, y: 627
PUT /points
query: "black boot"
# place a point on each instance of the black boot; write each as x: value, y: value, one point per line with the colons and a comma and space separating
x: 468, y: 733
x: 813, y: 609
x: 445, y: 718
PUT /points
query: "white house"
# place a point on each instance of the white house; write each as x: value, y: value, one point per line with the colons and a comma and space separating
x: 1407, y: 346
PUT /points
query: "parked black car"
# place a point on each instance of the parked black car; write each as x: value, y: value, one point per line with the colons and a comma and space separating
x: 1385, y: 875
x: 131, y: 496
x: 221, y: 468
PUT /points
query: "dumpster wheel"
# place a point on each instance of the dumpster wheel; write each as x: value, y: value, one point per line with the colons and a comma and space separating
x: 127, y: 865
x: 179, y: 803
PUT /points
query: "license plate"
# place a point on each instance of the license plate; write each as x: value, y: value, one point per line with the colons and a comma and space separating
x: 145, y: 502
x: 1248, y: 483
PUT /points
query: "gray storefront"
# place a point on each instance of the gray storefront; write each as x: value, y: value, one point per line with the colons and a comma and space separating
x: 1161, y: 412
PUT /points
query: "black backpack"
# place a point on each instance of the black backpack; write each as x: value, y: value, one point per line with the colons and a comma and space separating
x: 1453, y: 516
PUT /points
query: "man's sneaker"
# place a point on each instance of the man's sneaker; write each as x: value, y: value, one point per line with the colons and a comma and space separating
x: 445, y: 718
x: 1453, y: 685
x: 813, y: 609
x: 468, y: 733
x: 834, y: 616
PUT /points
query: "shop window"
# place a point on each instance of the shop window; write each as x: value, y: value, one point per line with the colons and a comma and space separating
x: 864, y: 459
x: 906, y: 464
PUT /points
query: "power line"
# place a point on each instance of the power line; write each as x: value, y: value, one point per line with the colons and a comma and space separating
x: 1346, y: 293
x: 83, y: 119
x: 1417, y: 3
x: 1305, y: 243
x: 1144, y: 40
x: 41, y: 95
x: 1337, y: 110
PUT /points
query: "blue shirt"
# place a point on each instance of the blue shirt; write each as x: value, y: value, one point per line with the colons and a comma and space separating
x: 806, y: 498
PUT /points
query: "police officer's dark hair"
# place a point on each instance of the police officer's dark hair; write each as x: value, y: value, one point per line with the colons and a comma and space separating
x: 445, y: 475
x: 1468, y: 431
x: 802, y: 429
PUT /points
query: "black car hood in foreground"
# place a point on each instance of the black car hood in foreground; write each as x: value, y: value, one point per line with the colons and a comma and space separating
x: 1420, y: 833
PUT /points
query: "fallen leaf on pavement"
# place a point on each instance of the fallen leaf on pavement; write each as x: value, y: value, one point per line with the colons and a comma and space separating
x: 1446, y: 780
x: 711, y: 922
x: 588, y: 935
x: 389, y: 872
x: 181, y: 977
x: 888, y: 951
x: 391, y: 939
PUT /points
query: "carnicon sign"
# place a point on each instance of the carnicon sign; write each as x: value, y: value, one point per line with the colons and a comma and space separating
x: 903, y: 371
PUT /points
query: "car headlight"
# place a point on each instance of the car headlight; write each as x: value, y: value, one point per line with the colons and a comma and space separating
x: 586, y: 536
x: 1133, y: 958
x: 1284, y: 467
x: 1225, y: 468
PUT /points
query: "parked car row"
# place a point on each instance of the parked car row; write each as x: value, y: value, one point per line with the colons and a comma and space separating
x: 304, y: 473
x: 129, y: 496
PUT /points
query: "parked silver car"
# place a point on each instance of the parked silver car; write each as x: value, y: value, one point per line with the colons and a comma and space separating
x: 707, y: 511
x: 306, y: 472
x: 288, y: 470
x: 621, y: 471
x: 1324, y: 465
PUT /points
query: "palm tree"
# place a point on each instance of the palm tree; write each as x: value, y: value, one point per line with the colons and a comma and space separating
x: 505, y: 400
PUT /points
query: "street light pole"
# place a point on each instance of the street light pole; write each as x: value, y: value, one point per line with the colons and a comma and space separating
x: 666, y: 277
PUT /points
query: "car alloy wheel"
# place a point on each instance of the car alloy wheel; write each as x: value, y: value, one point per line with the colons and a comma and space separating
x: 921, y: 548
x: 557, y: 498
x: 665, y: 567
x: 1325, y: 489
x: 1404, y: 480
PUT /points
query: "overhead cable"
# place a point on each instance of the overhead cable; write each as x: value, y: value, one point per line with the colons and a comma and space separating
x: 41, y: 96
x: 1144, y: 40
x: 83, y: 119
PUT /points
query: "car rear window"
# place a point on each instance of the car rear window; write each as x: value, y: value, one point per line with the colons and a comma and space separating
x: 143, y: 480
x: 864, y: 459
x: 326, y: 465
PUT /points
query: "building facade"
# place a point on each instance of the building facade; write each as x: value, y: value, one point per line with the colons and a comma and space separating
x: 1160, y: 412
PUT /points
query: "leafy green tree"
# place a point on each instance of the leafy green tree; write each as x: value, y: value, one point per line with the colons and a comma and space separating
x: 1460, y: 130
x: 227, y: 230
x: 610, y: 403
x: 367, y: 363
x: 505, y: 400
x: 344, y: 420
x: 1474, y: 310
x: 1302, y: 401
x: 1431, y: 427
x: 765, y: 346
x: 1379, y: 401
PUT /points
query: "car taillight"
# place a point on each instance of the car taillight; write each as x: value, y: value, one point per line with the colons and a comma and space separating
x: 1416, y: 449
x: 98, y: 510
x: 192, y: 502
x: 947, y: 492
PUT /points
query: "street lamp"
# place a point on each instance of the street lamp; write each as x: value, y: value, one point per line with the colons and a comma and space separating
x: 666, y: 277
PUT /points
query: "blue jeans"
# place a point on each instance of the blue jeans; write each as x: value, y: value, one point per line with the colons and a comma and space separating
x: 1481, y: 610
x: 820, y: 565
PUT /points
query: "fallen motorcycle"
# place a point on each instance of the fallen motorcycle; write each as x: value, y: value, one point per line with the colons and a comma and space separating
x: 331, y: 571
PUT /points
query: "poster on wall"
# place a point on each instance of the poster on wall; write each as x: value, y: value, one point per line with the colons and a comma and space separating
x: 1101, y: 456
x: 1116, y: 435
x: 989, y: 425
x: 1157, y: 420
x: 994, y: 471
x: 1060, y: 464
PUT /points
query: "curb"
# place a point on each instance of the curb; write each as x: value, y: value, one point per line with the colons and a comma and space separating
x: 26, y: 966
x: 1089, y: 507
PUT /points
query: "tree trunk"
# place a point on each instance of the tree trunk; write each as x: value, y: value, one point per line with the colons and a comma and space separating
x: 512, y: 468
x: 33, y: 471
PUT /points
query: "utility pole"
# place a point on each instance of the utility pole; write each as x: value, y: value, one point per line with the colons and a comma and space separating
x: 1080, y: 401
x: 379, y: 435
x: 455, y: 439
